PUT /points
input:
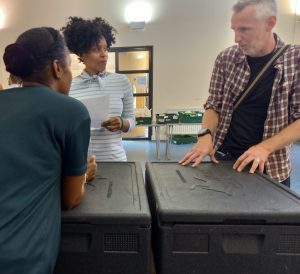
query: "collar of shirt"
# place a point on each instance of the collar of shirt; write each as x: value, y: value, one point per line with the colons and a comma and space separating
x: 100, y: 77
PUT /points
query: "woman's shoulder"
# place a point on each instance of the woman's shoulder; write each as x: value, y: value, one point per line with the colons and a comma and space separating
x: 117, y: 76
x: 78, y: 81
x: 118, y: 79
x: 63, y: 103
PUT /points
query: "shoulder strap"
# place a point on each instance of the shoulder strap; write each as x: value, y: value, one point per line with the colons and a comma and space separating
x: 259, y: 75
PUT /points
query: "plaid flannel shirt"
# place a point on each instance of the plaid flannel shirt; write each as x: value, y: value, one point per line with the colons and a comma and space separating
x: 230, y: 76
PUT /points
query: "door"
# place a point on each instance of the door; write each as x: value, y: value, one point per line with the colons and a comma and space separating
x: 137, y: 64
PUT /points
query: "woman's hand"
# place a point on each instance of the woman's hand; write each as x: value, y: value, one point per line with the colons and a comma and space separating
x: 91, y: 168
x: 113, y: 124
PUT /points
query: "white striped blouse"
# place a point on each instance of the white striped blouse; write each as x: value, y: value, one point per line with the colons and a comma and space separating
x: 107, y: 145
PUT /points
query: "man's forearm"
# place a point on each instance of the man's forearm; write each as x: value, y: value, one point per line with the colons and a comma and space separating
x: 210, y: 120
x: 285, y: 137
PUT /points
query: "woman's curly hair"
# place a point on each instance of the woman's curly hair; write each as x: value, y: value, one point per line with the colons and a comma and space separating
x: 82, y: 35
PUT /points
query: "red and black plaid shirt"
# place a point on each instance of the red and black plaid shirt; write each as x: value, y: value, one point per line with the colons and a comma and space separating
x: 230, y: 76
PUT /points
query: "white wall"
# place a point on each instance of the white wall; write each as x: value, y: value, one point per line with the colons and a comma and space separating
x: 186, y: 35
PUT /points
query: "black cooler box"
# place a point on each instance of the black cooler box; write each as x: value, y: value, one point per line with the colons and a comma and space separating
x: 215, y: 220
x: 110, y: 231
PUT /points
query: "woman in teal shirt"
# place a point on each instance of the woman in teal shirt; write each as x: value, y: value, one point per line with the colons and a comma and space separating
x: 44, y: 137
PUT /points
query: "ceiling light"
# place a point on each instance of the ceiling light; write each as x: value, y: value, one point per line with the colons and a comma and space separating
x: 137, y: 14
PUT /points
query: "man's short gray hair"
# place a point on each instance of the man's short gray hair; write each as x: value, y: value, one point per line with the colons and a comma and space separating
x: 264, y: 8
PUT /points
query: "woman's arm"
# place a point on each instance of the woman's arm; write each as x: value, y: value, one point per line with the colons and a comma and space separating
x: 128, y: 114
x: 72, y: 190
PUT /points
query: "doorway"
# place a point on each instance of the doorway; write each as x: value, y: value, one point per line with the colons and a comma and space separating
x: 137, y: 64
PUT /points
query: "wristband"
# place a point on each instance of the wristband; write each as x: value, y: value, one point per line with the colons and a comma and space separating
x: 121, y: 122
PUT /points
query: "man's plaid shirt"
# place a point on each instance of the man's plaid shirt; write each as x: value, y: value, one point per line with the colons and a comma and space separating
x: 230, y: 76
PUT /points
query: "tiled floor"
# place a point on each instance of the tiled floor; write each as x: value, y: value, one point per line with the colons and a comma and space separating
x: 145, y: 151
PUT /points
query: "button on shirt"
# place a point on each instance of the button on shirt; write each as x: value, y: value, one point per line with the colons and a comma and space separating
x: 230, y: 77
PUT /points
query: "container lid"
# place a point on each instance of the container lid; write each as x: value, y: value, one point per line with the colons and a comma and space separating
x: 215, y: 193
x: 116, y: 196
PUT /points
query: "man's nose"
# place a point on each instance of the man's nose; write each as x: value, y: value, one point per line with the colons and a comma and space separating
x: 237, y: 37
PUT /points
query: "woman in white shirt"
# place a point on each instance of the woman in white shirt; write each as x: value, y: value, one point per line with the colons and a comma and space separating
x: 90, y: 40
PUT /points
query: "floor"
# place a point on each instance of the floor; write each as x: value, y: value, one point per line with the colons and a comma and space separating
x: 145, y: 151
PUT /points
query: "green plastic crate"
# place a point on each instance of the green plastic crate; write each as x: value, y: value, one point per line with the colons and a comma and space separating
x: 171, y: 118
x: 143, y: 120
x: 167, y: 118
x: 160, y: 119
x: 190, y: 116
x: 183, y: 139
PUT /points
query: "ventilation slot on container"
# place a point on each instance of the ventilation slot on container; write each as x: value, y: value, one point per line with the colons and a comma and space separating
x: 191, y: 243
x: 289, y: 244
x: 242, y: 243
x: 75, y: 242
x: 115, y: 242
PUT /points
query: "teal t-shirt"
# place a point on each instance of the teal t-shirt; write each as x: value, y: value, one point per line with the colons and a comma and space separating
x: 43, y: 136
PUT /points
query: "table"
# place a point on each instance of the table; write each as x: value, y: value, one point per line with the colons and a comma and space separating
x: 157, y: 136
x: 169, y: 133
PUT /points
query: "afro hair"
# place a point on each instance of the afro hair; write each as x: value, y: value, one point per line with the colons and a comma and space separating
x: 82, y: 35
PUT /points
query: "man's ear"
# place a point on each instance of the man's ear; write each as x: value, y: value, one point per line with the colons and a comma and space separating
x: 271, y: 22
x: 57, y: 69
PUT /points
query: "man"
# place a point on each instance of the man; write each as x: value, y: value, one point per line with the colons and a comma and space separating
x: 260, y: 131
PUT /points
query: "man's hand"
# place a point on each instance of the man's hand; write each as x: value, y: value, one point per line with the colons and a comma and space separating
x: 257, y: 155
x: 91, y: 168
x: 203, y: 147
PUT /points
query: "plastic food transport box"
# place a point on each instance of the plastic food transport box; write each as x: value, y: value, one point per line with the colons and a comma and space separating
x: 215, y: 220
x: 109, y: 232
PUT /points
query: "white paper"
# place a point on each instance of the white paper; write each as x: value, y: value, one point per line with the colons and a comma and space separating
x: 98, y: 108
